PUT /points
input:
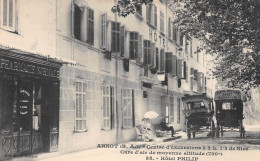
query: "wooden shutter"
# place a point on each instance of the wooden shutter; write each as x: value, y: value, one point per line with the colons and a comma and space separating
x: 140, y: 50
x: 174, y: 65
x: 184, y: 70
x: 109, y: 36
x: 162, y: 61
x: 191, y: 52
x: 174, y: 34
x: 103, y: 31
x: 155, y: 16
x: 157, y: 58
x: 196, y: 75
x: 83, y: 24
x: 76, y: 21
x: 153, y: 52
x: 168, y: 66
x: 169, y: 28
x: 181, y: 39
x: 180, y: 69
x: 90, y: 26
x: 112, y: 105
x: 133, y: 107
x: 122, y: 41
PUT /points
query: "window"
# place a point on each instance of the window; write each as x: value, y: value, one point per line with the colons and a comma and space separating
x: 157, y: 58
x: 181, y: 69
x: 172, y: 109
x: 151, y: 14
x: 174, y: 34
x: 134, y: 42
x: 186, y: 44
x: 8, y: 15
x: 124, y: 39
x: 128, y: 108
x: 108, y: 107
x: 161, y: 22
x: 168, y: 62
x: 103, y: 31
x: 83, y: 23
x: 181, y: 39
x: 178, y: 110
x: 169, y: 28
x: 80, y: 106
x: 195, y: 75
x: 139, y: 10
x: 147, y: 52
x: 167, y: 114
x: 115, y: 37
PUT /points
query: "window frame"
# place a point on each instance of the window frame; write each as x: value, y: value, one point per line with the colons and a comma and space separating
x: 115, y: 44
x: 9, y: 27
x: 81, y: 94
x: 110, y: 108
x: 147, y: 52
x: 84, y: 34
x: 128, y: 98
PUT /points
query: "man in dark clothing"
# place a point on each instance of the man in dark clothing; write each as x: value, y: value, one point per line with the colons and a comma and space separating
x: 166, y: 127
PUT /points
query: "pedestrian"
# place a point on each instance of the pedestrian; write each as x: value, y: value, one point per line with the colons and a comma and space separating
x: 166, y: 127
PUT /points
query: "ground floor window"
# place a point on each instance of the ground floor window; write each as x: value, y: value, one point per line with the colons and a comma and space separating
x: 108, y: 107
x: 80, y: 106
x: 128, y: 108
x: 178, y: 110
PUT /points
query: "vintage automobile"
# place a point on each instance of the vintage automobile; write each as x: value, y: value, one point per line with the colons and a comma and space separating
x: 199, y: 113
x: 229, y: 110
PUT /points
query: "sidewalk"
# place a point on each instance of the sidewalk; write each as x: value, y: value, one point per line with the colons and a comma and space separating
x: 108, y: 154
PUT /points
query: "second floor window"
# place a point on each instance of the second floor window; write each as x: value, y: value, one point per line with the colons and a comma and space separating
x: 8, y: 15
x: 134, y: 44
x: 147, y: 52
x: 83, y: 23
x: 115, y: 37
x: 151, y: 14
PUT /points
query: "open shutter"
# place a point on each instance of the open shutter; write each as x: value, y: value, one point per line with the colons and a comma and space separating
x: 133, y: 108
x: 112, y: 105
x: 180, y: 69
x: 155, y: 16
x: 140, y: 49
x: 196, y: 75
x: 122, y: 41
x: 174, y: 65
x: 83, y: 25
x: 126, y: 44
x: 109, y: 36
x: 191, y: 52
x: 103, y: 34
x: 162, y: 61
x: 169, y: 28
x: 184, y: 70
x: 76, y: 17
x: 168, y: 66
x: 153, y: 52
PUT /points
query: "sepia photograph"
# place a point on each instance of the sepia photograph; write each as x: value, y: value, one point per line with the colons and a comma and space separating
x: 130, y: 80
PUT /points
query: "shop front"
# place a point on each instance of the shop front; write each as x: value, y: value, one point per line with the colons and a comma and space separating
x: 29, y: 104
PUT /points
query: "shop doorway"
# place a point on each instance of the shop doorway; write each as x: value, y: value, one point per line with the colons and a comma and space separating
x: 29, y: 116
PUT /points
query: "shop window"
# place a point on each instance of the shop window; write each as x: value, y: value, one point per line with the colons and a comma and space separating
x: 108, y: 107
x: 83, y: 22
x: 8, y: 15
x: 128, y: 108
x: 178, y: 110
x: 80, y: 106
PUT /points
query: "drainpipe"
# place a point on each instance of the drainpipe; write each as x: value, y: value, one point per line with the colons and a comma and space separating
x: 166, y: 37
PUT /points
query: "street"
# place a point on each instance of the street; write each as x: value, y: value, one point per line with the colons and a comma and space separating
x: 228, y: 147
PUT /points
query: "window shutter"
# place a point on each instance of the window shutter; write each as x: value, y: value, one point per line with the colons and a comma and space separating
x: 162, y: 22
x: 169, y: 28
x: 153, y: 53
x: 191, y: 52
x: 76, y: 21
x: 109, y: 36
x: 199, y: 79
x: 133, y: 107
x: 5, y: 9
x: 157, y: 58
x: 181, y: 39
x: 122, y: 41
x: 112, y: 117
x: 191, y: 71
x: 184, y: 70
x: 83, y: 24
x: 180, y: 69
x: 155, y: 16
x: 196, y: 75
x: 148, y: 13
x: 134, y: 45
x: 90, y: 26
x: 168, y: 63
x: 103, y: 31
x: 174, y: 65
x: 127, y: 45
x: 140, y: 50
x: 174, y: 30
x: 162, y: 61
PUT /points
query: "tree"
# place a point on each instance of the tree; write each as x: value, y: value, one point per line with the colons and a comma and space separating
x: 230, y: 31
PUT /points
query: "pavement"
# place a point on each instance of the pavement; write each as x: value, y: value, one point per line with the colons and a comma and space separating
x: 122, y: 152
